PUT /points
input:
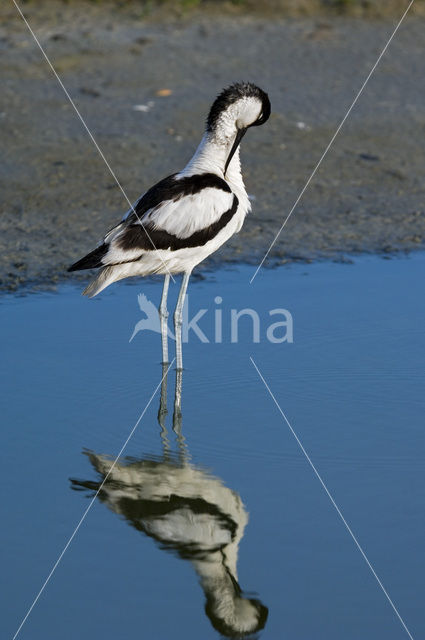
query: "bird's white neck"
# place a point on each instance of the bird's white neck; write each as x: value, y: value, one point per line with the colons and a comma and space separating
x: 225, y: 599
x: 211, y: 156
x: 215, y: 578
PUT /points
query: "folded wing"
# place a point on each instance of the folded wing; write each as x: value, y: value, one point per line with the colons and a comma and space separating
x: 176, y: 213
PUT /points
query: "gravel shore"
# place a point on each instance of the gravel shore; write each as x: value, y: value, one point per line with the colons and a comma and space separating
x: 144, y: 87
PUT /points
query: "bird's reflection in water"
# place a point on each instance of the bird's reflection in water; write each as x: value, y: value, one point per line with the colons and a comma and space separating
x: 188, y: 511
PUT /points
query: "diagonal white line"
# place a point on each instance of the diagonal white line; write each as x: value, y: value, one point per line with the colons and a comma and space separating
x: 53, y: 569
x: 341, y: 124
x: 89, y: 133
x: 331, y: 499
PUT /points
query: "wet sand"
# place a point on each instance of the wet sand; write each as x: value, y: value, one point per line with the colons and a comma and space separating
x: 58, y: 198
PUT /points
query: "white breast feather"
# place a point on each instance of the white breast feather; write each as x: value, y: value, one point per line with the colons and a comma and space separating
x: 191, y: 213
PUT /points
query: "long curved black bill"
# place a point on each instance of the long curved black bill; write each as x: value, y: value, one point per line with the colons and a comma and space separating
x: 240, y: 134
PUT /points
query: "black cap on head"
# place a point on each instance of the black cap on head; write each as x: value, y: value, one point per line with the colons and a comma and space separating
x: 232, y: 94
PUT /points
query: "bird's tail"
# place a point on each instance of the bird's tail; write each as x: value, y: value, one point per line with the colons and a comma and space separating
x: 112, y: 273
x: 92, y: 260
x: 104, y: 278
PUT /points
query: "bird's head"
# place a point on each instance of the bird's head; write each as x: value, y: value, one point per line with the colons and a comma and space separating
x: 235, y: 109
x: 248, y: 616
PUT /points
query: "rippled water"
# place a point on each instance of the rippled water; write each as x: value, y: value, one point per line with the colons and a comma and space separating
x: 213, y: 521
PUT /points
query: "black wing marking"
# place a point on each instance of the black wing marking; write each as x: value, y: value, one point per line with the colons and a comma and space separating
x: 92, y: 260
x: 137, y: 236
x: 148, y: 238
x: 173, y: 189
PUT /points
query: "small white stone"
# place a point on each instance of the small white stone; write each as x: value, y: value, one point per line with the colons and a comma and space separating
x: 303, y: 126
x: 144, y: 108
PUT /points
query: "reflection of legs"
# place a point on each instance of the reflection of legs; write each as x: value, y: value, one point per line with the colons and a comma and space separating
x: 178, y: 315
x: 163, y: 316
x: 177, y: 415
x: 162, y: 412
x: 177, y: 418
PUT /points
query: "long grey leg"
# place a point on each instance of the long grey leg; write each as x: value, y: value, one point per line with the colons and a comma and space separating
x: 178, y: 317
x: 163, y: 316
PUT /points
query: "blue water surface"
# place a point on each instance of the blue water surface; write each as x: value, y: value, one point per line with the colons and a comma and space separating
x: 351, y: 387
